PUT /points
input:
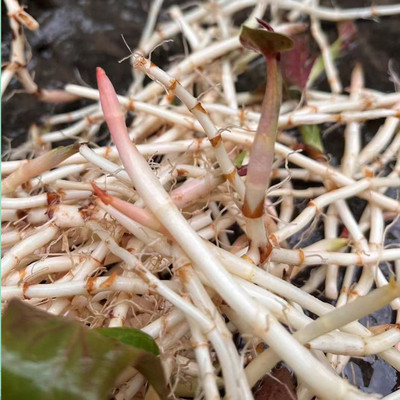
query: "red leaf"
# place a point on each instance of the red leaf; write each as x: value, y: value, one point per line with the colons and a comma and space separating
x: 279, y: 385
x: 296, y: 65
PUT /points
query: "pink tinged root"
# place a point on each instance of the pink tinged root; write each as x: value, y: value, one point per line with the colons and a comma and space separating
x: 140, y: 215
x: 112, y: 110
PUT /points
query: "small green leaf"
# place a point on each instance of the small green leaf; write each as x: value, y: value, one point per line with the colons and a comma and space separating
x: 311, y: 135
x: 45, y: 357
x: 132, y: 337
x: 319, y: 67
x: 263, y: 41
x: 238, y: 162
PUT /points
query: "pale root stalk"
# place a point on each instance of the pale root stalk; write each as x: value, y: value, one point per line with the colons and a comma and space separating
x: 295, y: 319
x: 317, y: 277
x: 151, y: 239
x: 339, y: 179
x: 287, y: 204
x: 45, y: 199
x: 74, y: 288
x: 71, y: 116
x: 263, y: 323
x: 35, y: 167
x: 330, y: 69
x: 336, y: 14
x: 371, y: 271
x: 380, y: 140
x: 27, y: 246
x: 81, y: 272
x: 341, y: 111
x: 148, y: 29
x: 160, y: 325
x: 210, y: 53
x: 315, y: 206
x: 352, y: 139
x: 17, y: 18
x: 62, y: 215
x: 206, y: 325
x: 212, y: 231
x: 235, y: 381
x: 35, y: 271
x: 10, y: 237
x: 236, y: 136
x: 154, y: 195
x: 397, y: 274
x: 296, y: 173
x: 207, y: 373
x: 393, y: 396
x: 161, y: 287
x: 195, y: 107
x: 105, y: 164
x: 350, y: 345
x: 217, y: 216
x: 187, y: 31
x: 248, y: 271
x: 193, y: 190
x: 331, y: 231
x: 124, y: 300
x: 390, y: 153
x: 187, y: 193
x: 324, y: 324
x: 359, y: 103
x: 57, y: 173
x: 94, y: 262
x: 376, y: 240
x: 361, y: 246
x: 228, y: 82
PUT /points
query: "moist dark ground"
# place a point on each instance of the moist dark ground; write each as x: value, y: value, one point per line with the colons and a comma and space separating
x: 76, y: 37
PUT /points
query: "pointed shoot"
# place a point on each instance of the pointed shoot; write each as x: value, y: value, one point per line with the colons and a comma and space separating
x: 140, y: 215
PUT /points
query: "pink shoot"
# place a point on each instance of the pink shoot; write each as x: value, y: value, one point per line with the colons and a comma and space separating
x: 269, y: 44
x: 140, y: 215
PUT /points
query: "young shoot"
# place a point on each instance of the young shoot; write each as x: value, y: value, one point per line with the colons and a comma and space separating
x: 270, y: 44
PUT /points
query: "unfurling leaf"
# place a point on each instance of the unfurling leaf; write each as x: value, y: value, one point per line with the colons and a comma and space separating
x: 265, y: 42
x: 45, y: 357
x: 347, y: 34
x: 312, y: 136
x: 238, y: 162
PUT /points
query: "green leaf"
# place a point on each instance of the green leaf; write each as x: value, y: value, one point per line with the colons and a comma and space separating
x: 132, y: 337
x: 319, y: 67
x: 45, y: 357
x: 265, y: 42
x: 312, y: 136
x: 238, y: 162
